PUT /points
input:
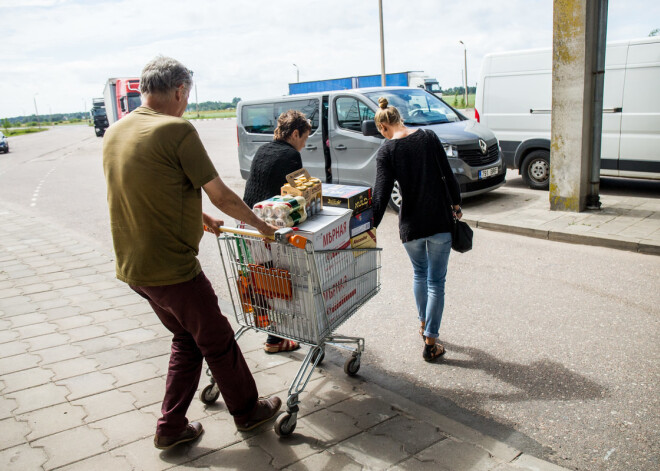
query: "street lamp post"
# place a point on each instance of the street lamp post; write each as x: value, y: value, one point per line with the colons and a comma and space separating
x: 297, y: 73
x: 466, y: 80
x: 196, y: 101
x: 382, y: 45
x: 36, y: 111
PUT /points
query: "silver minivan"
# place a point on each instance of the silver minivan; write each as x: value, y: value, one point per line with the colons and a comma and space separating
x: 343, y: 144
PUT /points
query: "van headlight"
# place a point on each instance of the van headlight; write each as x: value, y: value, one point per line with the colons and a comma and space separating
x: 450, y: 150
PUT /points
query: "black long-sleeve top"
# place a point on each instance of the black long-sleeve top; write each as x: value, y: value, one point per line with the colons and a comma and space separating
x: 425, y: 208
x: 271, y: 164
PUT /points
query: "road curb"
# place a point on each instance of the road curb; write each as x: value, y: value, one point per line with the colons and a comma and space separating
x: 519, y: 230
x: 603, y: 240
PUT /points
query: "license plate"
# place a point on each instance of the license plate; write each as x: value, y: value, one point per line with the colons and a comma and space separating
x: 489, y: 172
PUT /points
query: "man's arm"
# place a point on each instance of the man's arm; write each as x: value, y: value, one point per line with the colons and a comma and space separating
x: 231, y: 204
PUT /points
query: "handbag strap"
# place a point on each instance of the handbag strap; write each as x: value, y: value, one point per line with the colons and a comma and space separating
x: 436, y: 154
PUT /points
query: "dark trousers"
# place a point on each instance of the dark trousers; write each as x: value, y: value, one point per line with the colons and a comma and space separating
x: 190, y: 311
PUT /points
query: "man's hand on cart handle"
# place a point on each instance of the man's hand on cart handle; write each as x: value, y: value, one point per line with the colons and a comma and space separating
x: 212, y: 224
x: 267, y: 229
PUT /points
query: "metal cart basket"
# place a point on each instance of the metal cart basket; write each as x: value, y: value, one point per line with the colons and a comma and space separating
x: 286, y: 288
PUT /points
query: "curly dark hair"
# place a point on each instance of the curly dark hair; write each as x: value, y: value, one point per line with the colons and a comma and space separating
x: 288, y: 122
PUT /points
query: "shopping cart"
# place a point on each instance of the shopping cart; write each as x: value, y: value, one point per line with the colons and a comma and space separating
x: 286, y: 288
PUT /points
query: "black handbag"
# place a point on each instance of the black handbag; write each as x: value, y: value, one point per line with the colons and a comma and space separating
x: 461, y: 236
x: 461, y: 233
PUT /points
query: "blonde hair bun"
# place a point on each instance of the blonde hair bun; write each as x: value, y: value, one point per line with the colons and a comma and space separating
x: 382, y: 103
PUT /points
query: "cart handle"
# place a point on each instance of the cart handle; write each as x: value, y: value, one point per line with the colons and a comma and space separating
x: 282, y: 235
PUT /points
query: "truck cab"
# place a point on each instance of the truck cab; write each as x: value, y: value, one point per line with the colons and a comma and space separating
x: 99, y: 116
x: 121, y: 95
x: 128, y: 96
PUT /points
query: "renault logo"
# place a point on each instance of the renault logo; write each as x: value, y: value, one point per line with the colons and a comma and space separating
x: 483, y: 146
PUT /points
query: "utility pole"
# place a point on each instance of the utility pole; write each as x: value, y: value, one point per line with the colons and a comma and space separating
x: 297, y: 73
x: 466, y: 80
x: 196, y: 102
x: 36, y: 111
x: 382, y: 45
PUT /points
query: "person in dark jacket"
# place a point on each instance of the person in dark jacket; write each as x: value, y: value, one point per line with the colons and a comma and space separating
x: 271, y: 164
x: 416, y: 159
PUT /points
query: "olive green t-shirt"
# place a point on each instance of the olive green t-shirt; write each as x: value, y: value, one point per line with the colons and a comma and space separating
x: 155, y: 166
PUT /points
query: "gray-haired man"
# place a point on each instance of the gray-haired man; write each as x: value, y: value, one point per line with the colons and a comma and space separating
x: 155, y: 167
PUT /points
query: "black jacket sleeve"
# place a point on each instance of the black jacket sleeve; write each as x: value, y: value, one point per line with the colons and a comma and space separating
x: 384, y: 184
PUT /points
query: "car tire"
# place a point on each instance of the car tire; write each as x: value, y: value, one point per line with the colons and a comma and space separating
x: 535, y: 170
x: 395, y: 199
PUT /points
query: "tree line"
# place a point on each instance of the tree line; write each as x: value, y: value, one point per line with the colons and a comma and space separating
x: 44, y: 118
x: 213, y: 105
x: 79, y: 115
x: 458, y: 90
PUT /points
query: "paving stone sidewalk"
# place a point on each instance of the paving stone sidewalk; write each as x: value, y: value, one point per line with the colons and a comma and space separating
x: 624, y: 222
x: 82, y: 367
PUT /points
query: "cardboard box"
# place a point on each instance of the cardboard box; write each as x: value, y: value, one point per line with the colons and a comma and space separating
x: 300, y: 183
x: 356, y: 198
x: 365, y: 240
x: 362, y: 222
x: 327, y: 230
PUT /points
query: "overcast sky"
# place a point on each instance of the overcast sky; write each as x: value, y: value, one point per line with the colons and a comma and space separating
x: 64, y: 50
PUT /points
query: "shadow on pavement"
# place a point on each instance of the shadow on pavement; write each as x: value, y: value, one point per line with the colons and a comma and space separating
x: 545, y: 379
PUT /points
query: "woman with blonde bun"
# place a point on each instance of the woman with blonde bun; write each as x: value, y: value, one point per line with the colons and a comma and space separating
x: 417, y: 161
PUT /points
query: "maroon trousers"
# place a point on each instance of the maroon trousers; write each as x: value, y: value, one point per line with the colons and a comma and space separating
x: 190, y: 311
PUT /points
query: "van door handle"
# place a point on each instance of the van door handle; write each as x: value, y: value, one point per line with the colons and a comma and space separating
x: 533, y: 111
x: 612, y: 110
x: 341, y: 147
x: 310, y: 147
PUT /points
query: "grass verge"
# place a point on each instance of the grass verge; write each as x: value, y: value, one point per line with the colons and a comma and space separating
x: 18, y: 131
x: 210, y: 114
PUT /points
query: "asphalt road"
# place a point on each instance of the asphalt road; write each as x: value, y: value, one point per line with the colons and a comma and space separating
x: 552, y: 347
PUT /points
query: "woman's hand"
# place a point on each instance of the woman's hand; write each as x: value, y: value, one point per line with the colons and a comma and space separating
x: 458, y: 212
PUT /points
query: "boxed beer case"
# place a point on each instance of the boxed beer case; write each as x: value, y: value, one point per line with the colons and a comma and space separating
x: 355, y: 198
x: 300, y: 183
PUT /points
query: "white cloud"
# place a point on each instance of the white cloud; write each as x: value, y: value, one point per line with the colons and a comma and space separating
x: 66, y: 49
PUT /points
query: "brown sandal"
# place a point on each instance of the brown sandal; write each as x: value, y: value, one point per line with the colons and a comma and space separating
x: 283, y: 345
x: 433, y: 352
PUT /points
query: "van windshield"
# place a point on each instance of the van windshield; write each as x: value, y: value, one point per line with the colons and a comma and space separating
x: 417, y: 107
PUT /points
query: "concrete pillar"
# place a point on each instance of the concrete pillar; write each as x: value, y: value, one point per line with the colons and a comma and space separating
x: 574, y: 74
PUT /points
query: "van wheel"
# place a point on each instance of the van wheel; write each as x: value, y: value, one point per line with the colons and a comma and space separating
x: 535, y: 170
x: 395, y: 199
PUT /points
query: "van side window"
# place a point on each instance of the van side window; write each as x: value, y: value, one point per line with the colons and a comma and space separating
x: 351, y: 112
x: 262, y: 118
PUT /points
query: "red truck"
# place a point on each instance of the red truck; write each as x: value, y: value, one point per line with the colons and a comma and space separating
x: 121, y: 96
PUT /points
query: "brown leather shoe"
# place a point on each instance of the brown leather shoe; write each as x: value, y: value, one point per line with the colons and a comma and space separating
x: 192, y: 432
x: 263, y: 411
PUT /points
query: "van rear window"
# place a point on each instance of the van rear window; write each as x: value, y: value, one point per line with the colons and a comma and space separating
x: 262, y: 118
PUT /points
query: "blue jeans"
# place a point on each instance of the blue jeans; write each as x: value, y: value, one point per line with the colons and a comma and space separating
x: 429, y: 257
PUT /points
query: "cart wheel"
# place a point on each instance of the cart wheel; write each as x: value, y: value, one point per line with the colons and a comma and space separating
x: 352, y: 366
x: 285, y: 425
x: 315, y: 355
x: 207, y: 396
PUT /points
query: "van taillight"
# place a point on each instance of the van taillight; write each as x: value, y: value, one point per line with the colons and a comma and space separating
x: 476, y: 115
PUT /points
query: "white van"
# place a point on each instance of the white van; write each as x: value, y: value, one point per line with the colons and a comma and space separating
x: 514, y: 100
x: 344, y: 142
